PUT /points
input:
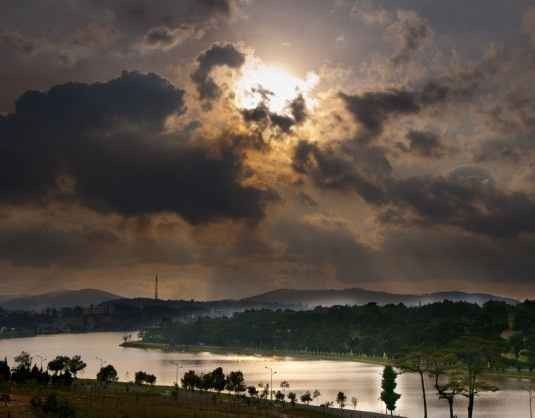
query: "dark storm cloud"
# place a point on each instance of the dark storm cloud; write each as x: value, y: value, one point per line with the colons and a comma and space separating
x: 165, y: 38
x: 372, y: 110
x: 263, y: 117
x: 298, y: 108
x: 425, y: 144
x: 145, y: 14
x: 467, y: 198
x: 344, y: 166
x: 103, y: 144
x: 218, y: 55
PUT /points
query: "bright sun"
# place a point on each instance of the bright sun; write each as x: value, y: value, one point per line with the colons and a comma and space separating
x: 274, y: 86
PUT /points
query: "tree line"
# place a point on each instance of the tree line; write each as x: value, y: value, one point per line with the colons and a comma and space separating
x: 64, y: 370
x: 234, y: 382
x: 60, y: 371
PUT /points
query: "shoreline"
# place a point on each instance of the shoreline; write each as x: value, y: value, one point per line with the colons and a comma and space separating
x: 296, y: 355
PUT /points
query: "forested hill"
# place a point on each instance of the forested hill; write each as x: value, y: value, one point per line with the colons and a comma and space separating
x: 369, y: 329
x: 310, y: 298
x: 57, y: 300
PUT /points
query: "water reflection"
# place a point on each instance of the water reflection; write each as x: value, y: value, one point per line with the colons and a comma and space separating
x: 329, y: 377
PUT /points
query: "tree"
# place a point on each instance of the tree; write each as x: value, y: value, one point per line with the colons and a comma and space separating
x: 142, y: 377
x: 252, y: 391
x: 516, y: 343
x: 75, y: 365
x: 354, y: 402
x: 476, y: 355
x: 292, y: 397
x: 59, y: 364
x: 191, y: 380
x: 107, y: 374
x: 388, y: 385
x: 235, y: 382
x: 23, y: 361
x: 285, y: 385
x: 448, y: 377
x: 265, y: 392
x: 416, y: 360
x: 206, y: 381
x: 280, y: 396
x: 5, y: 371
x: 316, y: 394
x: 341, y: 399
x: 306, y: 397
x: 219, y: 380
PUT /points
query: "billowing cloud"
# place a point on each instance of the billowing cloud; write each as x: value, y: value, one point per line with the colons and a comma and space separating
x: 263, y: 117
x: 409, y: 165
x: 146, y: 14
x: 424, y: 143
x: 164, y: 38
x: 344, y: 166
x: 467, y: 199
x: 219, y: 55
x: 105, y: 146
x: 372, y: 110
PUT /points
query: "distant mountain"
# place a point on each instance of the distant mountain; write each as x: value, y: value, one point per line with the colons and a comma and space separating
x: 59, y: 299
x: 330, y: 297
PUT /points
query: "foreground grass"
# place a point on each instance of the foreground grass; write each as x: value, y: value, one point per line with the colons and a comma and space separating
x: 126, y: 401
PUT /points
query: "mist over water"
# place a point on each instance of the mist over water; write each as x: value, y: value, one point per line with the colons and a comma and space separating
x: 329, y: 377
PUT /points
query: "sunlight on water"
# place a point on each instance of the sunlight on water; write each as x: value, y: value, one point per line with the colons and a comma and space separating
x: 329, y: 377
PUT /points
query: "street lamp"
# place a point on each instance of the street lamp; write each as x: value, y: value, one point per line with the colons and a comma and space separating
x: 178, y: 367
x: 271, y: 372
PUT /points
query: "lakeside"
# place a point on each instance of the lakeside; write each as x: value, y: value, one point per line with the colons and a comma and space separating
x: 294, y: 354
x: 297, y: 355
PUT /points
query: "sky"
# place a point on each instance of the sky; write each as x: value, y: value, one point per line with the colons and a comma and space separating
x: 240, y: 146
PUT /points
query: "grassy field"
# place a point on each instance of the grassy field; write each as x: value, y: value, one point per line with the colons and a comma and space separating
x: 126, y: 401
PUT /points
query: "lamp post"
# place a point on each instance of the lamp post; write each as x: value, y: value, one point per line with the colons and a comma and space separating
x: 271, y: 373
x: 178, y: 367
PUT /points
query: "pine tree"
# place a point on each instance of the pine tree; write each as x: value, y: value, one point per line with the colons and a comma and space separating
x: 388, y: 384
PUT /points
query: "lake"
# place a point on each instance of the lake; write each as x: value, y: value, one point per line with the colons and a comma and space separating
x: 329, y: 377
